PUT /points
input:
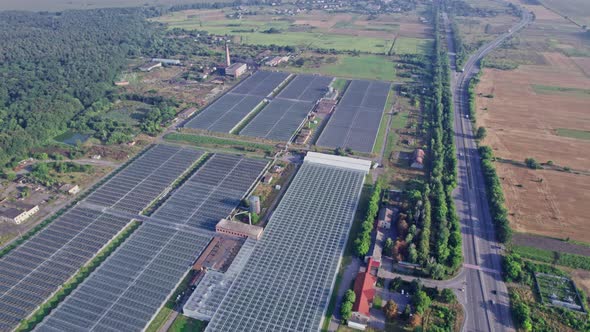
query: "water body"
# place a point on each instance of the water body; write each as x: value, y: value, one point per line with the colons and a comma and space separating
x: 72, y: 138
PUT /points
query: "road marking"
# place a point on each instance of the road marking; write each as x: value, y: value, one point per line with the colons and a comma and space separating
x: 480, y: 268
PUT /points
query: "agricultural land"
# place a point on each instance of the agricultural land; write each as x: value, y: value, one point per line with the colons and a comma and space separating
x: 539, y: 110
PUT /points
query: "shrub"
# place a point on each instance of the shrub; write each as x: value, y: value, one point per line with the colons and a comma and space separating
x: 532, y: 163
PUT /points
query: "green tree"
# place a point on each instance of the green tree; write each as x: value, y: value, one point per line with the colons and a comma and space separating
x: 350, y: 296
x: 447, y: 296
x: 532, y: 163
x: 346, y: 310
x: 513, y: 267
x: 388, y: 246
x: 25, y: 192
x: 421, y: 301
x: 522, y: 314
x: 10, y: 176
x: 481, y: 133
x: 395, y: 284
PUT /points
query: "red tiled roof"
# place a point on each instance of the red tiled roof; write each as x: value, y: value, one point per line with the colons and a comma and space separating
x: 364, y: 288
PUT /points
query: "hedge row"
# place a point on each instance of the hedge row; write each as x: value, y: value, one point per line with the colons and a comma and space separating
x: 495, y: 195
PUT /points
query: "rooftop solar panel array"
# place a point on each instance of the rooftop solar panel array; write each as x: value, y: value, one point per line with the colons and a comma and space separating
x: 127, y: 290
x: 135, y: 187
x: 228, y: 111
x: 212, y: 192
x: 355, y: 122
x: 280, y: 119
x: 30, y: 273
x: 286, y: 283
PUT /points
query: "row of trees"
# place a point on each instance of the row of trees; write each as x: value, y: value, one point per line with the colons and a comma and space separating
x: 347, y: 303
x: 439, y: 247
x: 495, y: 195
x: 363, y: 242
x: 428, y: 229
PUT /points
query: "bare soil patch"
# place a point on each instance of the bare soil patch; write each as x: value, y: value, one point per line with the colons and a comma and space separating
x: 560, y: 61
x: 583, y: 63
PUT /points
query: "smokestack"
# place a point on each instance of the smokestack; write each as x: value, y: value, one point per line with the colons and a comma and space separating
x: 227, y: 60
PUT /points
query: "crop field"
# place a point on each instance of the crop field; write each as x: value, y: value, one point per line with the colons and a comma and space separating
x: 577, y: 10
x: 316, y: 29
x: 573, y: 133
x: 543, y: 42
x: 546, y: 126
x: 540, y: 110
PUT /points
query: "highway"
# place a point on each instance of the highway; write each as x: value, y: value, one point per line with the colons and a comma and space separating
x: 485, y: 297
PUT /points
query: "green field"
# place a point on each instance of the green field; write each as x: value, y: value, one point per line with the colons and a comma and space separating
x: 186, y: 324
x: 216, y: 142
x: 404, y: 45
x: 574, y: 133
x: 129, y: 112
x: 552, y: 257
x: 251, y: 32
x: 365, y: 66
x: 548, y: 89
x: 383, y: 125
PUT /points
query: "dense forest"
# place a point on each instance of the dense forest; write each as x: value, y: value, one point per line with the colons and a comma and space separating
x: 56, y: 66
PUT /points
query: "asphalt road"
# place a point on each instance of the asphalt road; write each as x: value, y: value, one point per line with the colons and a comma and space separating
x: 486, y: 301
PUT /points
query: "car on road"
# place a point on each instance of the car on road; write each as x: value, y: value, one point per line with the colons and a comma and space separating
x: 494, y: 292
x: 466, y: 116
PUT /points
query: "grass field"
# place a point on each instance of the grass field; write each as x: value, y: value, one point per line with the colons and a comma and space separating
x: 404, y: 45
x: 574, y: 133
x: 129, y: 112
x: 311, y: 30
x: 553, y: 257
x: 216, y: 142
x: 548, y: 89
x: 186, y: 324
x: 379, y: 141
x: 376, y: 67
x: 159, y: 320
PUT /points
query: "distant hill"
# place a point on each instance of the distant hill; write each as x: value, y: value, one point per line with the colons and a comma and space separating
x: 59, y: 5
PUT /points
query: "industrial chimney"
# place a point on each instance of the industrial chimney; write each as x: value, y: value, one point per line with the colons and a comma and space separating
x: 227, y: 60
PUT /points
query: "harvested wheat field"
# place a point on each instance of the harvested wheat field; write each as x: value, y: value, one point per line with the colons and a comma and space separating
x: 525, y: 111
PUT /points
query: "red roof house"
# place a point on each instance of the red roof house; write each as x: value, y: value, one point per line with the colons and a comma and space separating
x: 364, y: 288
